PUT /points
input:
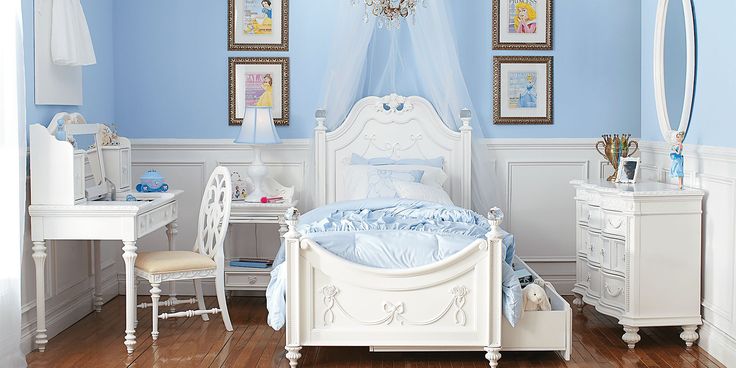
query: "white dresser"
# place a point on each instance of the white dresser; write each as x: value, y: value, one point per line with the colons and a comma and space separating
x: 638, y: 255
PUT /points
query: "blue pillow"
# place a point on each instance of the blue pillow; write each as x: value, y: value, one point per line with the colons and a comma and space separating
x: 357, y: 159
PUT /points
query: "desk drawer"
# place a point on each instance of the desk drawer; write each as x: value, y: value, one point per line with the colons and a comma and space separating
x: 156, y: 218
x: 243, y: 280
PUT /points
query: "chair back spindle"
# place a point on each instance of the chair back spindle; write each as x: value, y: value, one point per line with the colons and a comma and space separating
x: 214, y: 213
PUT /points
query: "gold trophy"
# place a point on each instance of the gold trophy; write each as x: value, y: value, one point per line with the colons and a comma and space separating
x: 615, y: 147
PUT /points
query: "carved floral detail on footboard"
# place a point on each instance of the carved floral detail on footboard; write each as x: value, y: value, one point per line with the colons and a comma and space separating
x: 393, y: 311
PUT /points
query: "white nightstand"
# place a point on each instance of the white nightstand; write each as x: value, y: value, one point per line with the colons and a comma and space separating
x: 244, y: 278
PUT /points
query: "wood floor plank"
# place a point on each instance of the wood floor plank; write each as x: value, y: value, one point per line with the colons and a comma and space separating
x: 97, y: 341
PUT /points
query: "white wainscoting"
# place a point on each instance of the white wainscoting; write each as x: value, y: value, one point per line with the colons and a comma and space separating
x: 532, y: 188
x: 712, y: 169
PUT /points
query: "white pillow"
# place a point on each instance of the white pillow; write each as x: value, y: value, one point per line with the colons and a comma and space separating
x: 422, y: 192
x: 364, y: 181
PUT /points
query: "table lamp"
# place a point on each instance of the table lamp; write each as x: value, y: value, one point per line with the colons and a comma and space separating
x: 257, y: 130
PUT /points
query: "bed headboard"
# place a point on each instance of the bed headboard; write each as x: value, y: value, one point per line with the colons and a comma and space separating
x: 397, y: 127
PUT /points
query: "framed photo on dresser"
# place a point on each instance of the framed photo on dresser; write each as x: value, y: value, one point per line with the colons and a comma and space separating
x: 522, y: 24
x: 522, y: 90
x: 259, y: 81
x: 258, y: 25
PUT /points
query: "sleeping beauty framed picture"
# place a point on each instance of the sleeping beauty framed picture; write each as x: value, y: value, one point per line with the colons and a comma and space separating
x: 522, y: 90
x: 258, y: 25
x: 259, y: 81
x: 522, y: 24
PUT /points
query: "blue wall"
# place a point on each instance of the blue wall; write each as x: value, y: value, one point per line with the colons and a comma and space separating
x: 715, y: 94
x: 171, y: 67
x: 99, y: 98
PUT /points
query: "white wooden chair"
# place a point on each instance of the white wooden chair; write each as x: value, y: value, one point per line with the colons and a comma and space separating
x: 206, y: 260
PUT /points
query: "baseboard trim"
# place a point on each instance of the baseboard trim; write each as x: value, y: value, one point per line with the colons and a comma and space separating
x: 718, y: 344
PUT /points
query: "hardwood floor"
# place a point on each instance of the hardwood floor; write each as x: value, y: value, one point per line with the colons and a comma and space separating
x: 97, y: 341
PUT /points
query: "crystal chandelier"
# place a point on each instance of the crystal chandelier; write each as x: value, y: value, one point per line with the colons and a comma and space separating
x: 390, y: 12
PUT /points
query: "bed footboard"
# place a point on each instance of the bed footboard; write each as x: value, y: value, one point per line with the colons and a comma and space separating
x: 452, y: 304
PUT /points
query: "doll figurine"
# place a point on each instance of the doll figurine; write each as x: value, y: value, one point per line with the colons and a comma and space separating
x: 678, y: 160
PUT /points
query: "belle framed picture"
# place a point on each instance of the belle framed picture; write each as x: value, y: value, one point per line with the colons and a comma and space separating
x: 522, y: 24
x: 258, y: 25
x: 522, y: 90
x: 259, y: 82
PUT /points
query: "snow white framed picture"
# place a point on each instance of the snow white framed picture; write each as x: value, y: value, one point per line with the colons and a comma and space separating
x: 258, y: 25
x: 522, y: 90
x: 259, y: 81
x: 522, y: 24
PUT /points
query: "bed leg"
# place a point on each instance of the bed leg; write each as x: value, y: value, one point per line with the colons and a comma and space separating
x: 493, y: 355
x: 293, y: 354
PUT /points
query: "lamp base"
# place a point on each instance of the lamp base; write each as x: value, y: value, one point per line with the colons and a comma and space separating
x: 257, y: 171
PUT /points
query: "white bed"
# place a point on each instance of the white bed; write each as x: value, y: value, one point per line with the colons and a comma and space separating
x: 454, y: 304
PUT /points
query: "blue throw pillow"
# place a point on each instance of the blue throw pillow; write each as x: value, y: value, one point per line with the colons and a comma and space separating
x: 357, y: 159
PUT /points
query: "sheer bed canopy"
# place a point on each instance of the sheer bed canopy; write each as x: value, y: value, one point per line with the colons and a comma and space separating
x: 414, y: 55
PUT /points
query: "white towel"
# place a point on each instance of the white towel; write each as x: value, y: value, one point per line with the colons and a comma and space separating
x: 71, y: 43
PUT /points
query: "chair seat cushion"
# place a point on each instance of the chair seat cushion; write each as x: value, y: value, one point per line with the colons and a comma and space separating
x: 173, y: 261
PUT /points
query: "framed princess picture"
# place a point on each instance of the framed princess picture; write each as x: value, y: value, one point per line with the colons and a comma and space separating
x: 258, y: 25
x: 259, y: 82
x: 522, y: 24
x: 522, y: 90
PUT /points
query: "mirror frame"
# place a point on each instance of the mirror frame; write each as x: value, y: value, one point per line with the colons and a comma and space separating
x: 659, y: 80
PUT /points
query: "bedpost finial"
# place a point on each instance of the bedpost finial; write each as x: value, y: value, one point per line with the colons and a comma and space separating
x: 321, y: 116
x: 465, y: 116
x: 292, y: 219
x: 495, y: 218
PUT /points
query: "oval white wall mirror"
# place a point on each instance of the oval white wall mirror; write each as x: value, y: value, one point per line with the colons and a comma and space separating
x: 674, y: 66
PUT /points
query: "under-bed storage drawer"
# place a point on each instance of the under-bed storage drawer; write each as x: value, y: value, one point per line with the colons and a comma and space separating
x: 540, y: 330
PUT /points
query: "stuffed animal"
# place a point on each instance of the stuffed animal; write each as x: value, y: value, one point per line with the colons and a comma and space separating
x: 535, y: 298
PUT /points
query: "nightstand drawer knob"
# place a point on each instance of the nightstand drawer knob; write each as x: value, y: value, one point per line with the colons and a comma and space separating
x: 252, y: 280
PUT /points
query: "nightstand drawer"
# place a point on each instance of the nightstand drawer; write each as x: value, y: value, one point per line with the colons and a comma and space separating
x: 246, y: 280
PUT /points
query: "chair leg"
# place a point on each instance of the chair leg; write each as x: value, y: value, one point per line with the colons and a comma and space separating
x: 200, y: 298
x: 155, y: 296
x: 221, y: 300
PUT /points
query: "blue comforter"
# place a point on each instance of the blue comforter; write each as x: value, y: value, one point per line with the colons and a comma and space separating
x: 394, y: 234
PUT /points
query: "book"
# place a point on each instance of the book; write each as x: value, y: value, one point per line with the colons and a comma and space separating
x: 251, y: 262
x: 525, y: 278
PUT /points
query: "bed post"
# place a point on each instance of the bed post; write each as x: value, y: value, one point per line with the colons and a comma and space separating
x: 320, y: 158
x: 466, y: 131
x: 292, y: 239
x: 495, y: 242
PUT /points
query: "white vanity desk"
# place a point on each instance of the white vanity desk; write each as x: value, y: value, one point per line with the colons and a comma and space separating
x: 63, y: 178
x: 95, y: 221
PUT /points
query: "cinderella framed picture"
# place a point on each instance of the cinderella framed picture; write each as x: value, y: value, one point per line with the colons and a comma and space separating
x: 258, y: 25
x: 522, y: 90
x: 259, y: 82
x: 522, y: 24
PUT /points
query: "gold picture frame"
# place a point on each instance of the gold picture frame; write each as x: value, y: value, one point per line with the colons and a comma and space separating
x: 518, y: 82
x: 242, y: 36
x: 508, y: 39
x: 259, y: 81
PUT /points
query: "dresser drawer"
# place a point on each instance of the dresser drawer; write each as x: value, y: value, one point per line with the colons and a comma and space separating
x: 614, y: 223
x: 246, y: 280
x: 582, y: 212
x: 581, y: 274
x: 595, y: 218
x: 595, y: 245
x: 613, y: 255
x: 593, y: 278
x: 614, y: 291
x: 582, y: 240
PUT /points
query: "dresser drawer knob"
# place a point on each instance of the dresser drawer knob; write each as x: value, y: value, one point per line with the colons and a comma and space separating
x: 603, y: 252
x: 588, y: 279
x: 613, y: 293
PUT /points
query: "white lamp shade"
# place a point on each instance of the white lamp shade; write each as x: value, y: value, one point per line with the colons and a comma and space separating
x: 258, y: 127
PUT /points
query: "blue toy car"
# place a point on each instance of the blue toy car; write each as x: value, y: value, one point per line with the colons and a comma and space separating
x: 152, y: 181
